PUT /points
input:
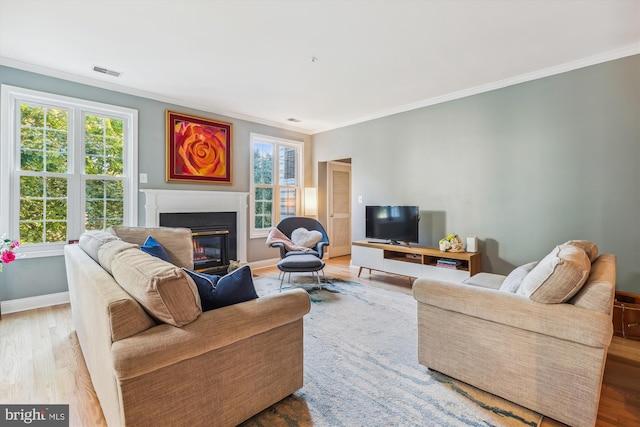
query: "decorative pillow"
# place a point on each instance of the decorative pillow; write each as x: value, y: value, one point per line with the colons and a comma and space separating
x: 307, y: 238
x: 514, y: 279
x: 216, y: 291
x: 152, y: 247
x: 589, y: 247
x: 108, y: 251
x: 165, y: 291
x: 558, y: 276
x: 91, y: 241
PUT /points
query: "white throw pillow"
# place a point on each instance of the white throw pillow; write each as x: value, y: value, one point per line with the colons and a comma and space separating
x: 513, y: 280
x: 558, y: 276
x: 307, y: 238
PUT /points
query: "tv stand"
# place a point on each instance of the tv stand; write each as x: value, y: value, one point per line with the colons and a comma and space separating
x: 414, y: 261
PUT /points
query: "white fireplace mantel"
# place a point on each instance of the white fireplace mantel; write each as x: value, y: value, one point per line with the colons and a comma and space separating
x: 178, y: 201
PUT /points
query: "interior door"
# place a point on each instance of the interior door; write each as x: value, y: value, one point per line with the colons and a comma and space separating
x: 339, y: 206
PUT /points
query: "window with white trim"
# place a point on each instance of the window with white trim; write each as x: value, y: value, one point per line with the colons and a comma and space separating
x: 276, y: 184
x: 68, y: 166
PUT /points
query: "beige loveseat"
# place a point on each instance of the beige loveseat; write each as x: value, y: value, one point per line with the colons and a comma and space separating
x: 547, y: 356
x: 173, y: 365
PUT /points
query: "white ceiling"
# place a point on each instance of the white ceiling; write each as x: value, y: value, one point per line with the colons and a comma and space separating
x: 252, y: 59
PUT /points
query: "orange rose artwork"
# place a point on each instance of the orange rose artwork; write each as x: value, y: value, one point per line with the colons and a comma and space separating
x: 199, y: 149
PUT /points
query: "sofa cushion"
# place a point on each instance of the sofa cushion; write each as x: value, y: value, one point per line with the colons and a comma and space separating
x: 153, y: 247
x: 597, y: 293
x: 514, y: 279
x: 589, y: 247
x: 307, y: 238
x: 485, y: 280
x: 216, y: 291
x: 91, y: 241
x: 558, y: 276
x: 108, y: 251
x: 165, y: 291
x: 176, y: 241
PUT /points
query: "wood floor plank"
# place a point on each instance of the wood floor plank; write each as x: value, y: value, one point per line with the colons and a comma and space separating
x: 41, y: 360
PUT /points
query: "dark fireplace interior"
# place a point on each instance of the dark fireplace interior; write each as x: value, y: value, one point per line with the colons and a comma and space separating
x: 214, y: 237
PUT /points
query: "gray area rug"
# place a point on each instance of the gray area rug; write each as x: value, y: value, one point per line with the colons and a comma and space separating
x: 361, y: 367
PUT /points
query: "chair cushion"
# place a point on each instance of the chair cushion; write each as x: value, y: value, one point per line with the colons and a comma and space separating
x: 307, y: 238
x: 300, y: 263
x: 558, y: 276
x: 307, y: 252
x: 216, y: 291
x: 165, y: 291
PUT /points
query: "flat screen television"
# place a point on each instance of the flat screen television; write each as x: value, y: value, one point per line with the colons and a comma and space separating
x: 397, y: 224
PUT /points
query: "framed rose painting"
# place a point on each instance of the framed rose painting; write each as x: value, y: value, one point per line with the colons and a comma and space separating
x: 198, y: 149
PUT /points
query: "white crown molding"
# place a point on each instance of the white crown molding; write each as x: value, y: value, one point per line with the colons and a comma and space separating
x: 630, y: 50
x: 7, y: 62
x: 546, y: 72
x: 31, y: 303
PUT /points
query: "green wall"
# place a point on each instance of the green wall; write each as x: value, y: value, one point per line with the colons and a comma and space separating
x: 524, y: 168
x: 40, y: 276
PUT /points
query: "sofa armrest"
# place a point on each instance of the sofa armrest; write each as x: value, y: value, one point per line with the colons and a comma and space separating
x: 164, y: 345
x: 564, y: 321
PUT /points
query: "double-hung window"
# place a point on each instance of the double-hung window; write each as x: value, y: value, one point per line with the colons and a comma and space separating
x: 68, y: 166
x: 276, y: 184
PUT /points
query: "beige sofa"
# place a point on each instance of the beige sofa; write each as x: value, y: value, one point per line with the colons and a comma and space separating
x: 547, y: 356
x: 156, y: 359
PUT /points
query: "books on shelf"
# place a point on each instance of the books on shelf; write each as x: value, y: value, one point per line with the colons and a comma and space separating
x: 448, y: 263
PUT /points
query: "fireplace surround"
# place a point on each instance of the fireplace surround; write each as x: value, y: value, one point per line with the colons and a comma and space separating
x: 222, y: 202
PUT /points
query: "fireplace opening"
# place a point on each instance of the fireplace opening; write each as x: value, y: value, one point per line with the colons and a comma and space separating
x: 214, y: 237
x: 210, y: 251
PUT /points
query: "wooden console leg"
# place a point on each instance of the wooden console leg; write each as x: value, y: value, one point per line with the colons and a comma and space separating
x: 359, y: 271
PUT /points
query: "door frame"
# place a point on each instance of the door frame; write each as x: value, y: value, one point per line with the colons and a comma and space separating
x: 324, y: 202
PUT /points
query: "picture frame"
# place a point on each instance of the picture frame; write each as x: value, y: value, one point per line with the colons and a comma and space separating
x: 198, y: 149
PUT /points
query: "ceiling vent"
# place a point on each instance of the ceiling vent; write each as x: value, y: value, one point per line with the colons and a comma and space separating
x: 293, y: 120
x: 106, y: 71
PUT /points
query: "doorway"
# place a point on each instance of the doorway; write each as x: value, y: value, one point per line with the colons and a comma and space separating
x: 338, y: 198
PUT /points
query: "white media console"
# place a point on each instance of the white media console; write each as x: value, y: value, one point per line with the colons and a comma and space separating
x: 414, y: 261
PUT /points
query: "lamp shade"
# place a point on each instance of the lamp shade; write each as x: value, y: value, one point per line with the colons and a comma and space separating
x: 310, y: 201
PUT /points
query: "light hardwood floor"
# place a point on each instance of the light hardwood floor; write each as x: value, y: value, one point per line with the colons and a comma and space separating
x: 41, y: 360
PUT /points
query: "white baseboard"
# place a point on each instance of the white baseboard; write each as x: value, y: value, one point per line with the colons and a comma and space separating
x: 30, y: 303
x: 264, y: 263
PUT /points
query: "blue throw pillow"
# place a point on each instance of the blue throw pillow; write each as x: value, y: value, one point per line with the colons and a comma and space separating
x: 153, y: 247
x: 216, y: 291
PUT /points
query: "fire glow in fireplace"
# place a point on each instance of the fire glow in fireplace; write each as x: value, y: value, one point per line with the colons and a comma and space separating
x: 210, y: 250
x: 214, y: 237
